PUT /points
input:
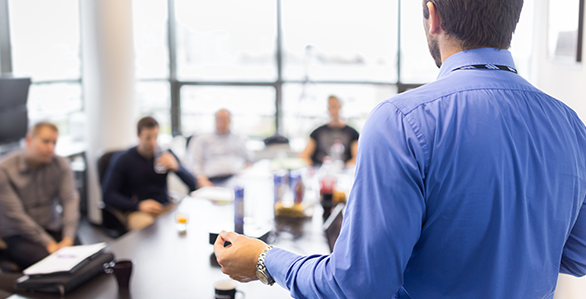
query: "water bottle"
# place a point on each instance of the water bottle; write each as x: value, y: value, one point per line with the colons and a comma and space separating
x: 239, y: 210
x: 337, y: 152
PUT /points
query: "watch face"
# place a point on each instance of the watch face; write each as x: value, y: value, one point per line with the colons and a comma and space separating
x: 262, y: 277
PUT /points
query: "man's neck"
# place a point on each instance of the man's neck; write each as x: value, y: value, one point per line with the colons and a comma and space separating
x: 31, y: 163
x: 144, y: 153
x: 449, y: 46
x: 336, y: 123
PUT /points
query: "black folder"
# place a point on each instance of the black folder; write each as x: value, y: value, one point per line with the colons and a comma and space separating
x: 62, y: 283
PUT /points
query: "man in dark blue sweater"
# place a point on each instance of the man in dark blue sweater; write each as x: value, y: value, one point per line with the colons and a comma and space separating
x: 136, y: 181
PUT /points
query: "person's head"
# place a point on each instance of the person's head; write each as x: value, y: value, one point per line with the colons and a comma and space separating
x: 334, y: 106
x: 40, y: 143
x: 147, y: 130
x: 223, y: 118
x: 473, y: 24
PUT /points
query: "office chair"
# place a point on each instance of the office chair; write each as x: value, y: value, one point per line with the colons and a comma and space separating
x: 113, y: 220
x: 6, y: 265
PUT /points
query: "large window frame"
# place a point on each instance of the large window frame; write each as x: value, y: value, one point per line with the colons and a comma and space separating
x: 6, y: 57
x: 176, y: 84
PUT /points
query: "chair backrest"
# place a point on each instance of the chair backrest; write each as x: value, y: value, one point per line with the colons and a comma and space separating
x: 104, y: 162
x: 276, y: 139
x: 113, y: 221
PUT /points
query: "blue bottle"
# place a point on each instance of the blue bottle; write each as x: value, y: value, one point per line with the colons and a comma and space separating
x: 239, y: 210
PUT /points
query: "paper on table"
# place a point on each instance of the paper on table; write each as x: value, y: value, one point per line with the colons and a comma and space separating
x: 64, y: 259
x: 215, y: 194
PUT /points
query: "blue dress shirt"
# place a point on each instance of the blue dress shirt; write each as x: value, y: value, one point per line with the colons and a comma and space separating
x: 472, y: 186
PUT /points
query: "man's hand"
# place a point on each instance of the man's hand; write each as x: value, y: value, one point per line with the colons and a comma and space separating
x: 66, y: 242
x: 169, y: 161
x: 203, y: 181
x: 150, y: 206
x: 52, y: 247
x: 239, y: 259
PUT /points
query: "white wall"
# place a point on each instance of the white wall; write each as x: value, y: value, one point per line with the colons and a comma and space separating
x: 568, y: 84
x: 565, y: 82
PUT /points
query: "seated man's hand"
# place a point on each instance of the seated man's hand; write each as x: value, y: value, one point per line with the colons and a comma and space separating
x: 52, y: 247
x: 238, y: 259
x: 150, y: 206
x: 169, y: 161
x: 203, y: 181
x: 66, y: 242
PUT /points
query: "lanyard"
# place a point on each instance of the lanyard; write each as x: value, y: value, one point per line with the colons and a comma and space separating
x: 487, y: 67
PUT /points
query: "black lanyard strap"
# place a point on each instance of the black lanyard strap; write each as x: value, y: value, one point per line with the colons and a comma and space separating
x: 487, y: 67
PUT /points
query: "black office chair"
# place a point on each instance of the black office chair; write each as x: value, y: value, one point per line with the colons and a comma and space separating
x: 276, y: 139
x: 113, y: 220
x: 6, y: 265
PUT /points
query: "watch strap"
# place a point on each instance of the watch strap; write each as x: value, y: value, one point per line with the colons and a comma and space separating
x: 260, y: 265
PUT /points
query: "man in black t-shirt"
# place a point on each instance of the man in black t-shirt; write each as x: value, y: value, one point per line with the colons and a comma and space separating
x: 322, y: 139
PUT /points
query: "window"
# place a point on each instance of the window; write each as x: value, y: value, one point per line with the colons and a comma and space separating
x: 252, y: 108
x: 522, y: 42
x: 154, y: 99
x: 417, y: 65
x: 305, y: 106
x: 150, y: 19
x: 45, y: 46
x: 340, y: 40
x: 45, y: 39
x: 228, y: 40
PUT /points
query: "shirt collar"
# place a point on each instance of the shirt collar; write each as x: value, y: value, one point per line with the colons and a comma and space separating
x: 476, y: 56
x: 22, y: 165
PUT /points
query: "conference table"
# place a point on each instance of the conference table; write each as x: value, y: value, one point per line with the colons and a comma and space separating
x: 169, y: 264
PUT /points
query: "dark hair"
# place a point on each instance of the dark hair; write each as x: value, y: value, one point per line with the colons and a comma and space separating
x: 146, y: 122
x: 478, y: 23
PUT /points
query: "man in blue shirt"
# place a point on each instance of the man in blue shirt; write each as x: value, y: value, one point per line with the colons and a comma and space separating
x: 472, y: 186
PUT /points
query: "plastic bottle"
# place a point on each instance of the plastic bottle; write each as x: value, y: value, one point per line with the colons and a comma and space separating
x: 337, y: 152
x: 239, y: 210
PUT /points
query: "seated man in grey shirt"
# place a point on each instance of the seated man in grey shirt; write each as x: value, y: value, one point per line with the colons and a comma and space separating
x: 216, y: 156
x: 33, y: 183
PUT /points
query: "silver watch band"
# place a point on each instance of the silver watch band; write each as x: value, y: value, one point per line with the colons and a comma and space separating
x: 260, y: 266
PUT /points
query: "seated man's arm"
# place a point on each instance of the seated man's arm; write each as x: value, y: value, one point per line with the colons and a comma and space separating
x: 112, y: 188
x: 354, y: 152
x: 69, y: 198
x: 13, y: 210
x: 246, y: 154
x: 308, y: 151
x: 195, y: 161
x: 184, y: 174
x: 574, y: 254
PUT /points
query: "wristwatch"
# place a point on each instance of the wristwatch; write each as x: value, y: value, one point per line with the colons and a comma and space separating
x: 261, y: 271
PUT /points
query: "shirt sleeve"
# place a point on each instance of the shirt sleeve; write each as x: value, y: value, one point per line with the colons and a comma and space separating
x: 382, y: 222
x: 244, y: 152
x: 11, y: 206
x: 112, y: 187
x: 195, y: 156
x: 354, y: 136
x: 185, y: 175
x: 573, y: 257
x: 315, y: 134
x: 69, y: 198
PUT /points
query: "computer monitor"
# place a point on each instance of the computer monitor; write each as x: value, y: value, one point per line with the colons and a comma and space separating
x: 333, y: 225
x: 13, y: 111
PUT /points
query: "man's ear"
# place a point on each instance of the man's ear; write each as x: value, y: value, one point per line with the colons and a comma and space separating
x: 27, y: 140
x: 435, y: 22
